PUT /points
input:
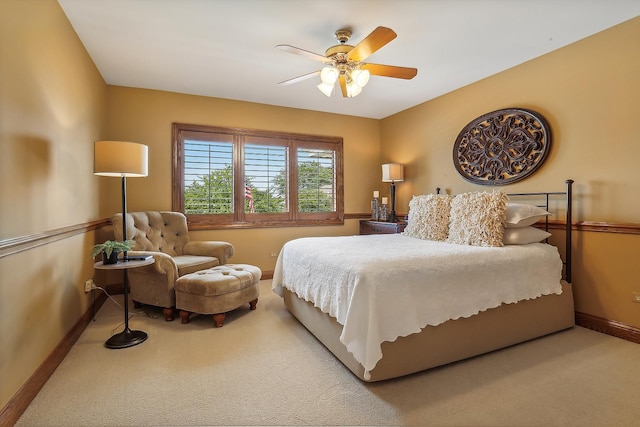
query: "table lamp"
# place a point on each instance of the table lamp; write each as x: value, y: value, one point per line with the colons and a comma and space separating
x: 392, y: 172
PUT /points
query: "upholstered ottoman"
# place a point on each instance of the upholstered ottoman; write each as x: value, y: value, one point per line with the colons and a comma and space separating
x: 217, y: 291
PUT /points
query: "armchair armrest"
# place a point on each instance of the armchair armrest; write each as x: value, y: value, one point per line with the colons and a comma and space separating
x: 220, y: 250
x: 164, y: 264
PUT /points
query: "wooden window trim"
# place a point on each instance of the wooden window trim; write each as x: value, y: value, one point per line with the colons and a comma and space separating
x: 256, y: 220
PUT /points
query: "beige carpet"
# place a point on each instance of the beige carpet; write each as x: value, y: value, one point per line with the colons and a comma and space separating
x: 264, y: 368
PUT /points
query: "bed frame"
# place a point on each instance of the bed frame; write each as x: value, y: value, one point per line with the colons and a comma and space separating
x: 459, y: 339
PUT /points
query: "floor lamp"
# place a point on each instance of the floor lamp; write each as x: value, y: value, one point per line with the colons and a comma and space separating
x: 122, y: 159
x: 393, y: 172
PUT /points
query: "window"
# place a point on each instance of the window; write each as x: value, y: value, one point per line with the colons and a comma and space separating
x: 227, y: 177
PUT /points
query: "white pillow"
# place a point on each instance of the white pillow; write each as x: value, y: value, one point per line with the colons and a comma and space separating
x: 522, y: 215
x: 477, y: 219
x: 524, y: 235
x: 429, y: 217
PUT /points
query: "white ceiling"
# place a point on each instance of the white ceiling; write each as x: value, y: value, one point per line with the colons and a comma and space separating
x: 226, y: 48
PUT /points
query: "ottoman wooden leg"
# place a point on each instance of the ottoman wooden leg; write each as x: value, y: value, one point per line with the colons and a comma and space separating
x: 184, y: 316
x: 252, y: 304
x: 168, y: 313
x: 218, y: 319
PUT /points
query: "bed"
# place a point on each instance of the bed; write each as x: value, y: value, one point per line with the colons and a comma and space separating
x: 394, y: 304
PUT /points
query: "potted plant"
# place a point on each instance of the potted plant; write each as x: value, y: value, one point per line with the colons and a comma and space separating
x: 110, y: 250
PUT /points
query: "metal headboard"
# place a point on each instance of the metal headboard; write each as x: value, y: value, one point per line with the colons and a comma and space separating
x: 568, y: 220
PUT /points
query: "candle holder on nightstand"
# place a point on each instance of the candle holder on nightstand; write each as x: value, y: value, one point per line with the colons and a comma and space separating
x: 375, y: 206
x: 384, y: 212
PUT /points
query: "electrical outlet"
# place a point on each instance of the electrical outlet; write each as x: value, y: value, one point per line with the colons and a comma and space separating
x: 636, y: 296
x: 273, y: 254
x: 89, y: 285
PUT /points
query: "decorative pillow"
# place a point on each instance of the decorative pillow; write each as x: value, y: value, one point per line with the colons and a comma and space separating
x: 477, y: 219
x: 429, y: 217
x: 521, y: 215
x: 524, y: 235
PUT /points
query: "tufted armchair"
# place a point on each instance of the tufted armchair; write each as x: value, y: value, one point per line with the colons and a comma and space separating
x: 165, y: 236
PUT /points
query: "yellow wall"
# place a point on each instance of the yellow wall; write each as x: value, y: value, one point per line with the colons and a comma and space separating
x: 589, y: 92
x: 54, y: 104
x: 52, y: 107
x: 146, y: 116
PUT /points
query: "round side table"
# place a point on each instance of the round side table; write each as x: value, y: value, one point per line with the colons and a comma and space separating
x: 128, y: 337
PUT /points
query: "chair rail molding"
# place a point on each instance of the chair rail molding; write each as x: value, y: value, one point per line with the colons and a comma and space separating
x: 22, y: 243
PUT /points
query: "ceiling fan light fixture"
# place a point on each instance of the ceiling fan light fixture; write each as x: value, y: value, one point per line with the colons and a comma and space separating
x: 346, y: 63
x: 325, y: 88
x: 329, y: 75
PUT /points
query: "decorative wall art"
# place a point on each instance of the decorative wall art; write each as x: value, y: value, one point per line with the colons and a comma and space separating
x: 502, y: 147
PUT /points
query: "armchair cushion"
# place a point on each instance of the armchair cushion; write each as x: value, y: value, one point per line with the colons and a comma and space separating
x: 192, y: 263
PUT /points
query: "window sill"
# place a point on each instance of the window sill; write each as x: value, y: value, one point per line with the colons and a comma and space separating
x: 198, y: 224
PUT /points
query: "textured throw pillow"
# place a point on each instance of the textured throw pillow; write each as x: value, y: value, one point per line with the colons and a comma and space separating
x: 524, y: 235
x: 477, y: 219
x: 522, y: 215
x: 429, y: 217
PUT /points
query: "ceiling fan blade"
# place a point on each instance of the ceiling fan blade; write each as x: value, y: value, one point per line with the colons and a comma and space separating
x: 374, y: 41
x: 343, y: 85
x: 305, y: 53
x: 300, y: 78
x: 390, y: 71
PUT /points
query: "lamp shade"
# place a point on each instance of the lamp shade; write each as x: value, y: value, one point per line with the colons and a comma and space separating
x: 120, y: 158
x: 360, y: 77
x: 329, y: 75
x: 392, y: 172
x: 353, y: 89
x: 325, y: 88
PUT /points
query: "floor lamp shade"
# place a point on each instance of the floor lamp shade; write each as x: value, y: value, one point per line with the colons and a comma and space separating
x: 120, y: 158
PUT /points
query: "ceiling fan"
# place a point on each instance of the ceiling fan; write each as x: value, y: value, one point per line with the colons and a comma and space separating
x: 345, y: 63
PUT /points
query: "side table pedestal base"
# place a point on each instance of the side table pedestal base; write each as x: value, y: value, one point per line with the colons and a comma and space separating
x: 126, y: 338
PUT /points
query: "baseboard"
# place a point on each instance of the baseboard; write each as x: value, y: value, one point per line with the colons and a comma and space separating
x: 609, y: 327
x: 22, y: 399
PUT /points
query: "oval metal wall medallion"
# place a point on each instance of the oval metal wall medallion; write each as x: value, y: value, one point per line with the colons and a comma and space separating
x: 502, y: 147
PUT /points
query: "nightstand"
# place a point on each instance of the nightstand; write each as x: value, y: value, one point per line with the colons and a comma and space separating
x: 379, y: 227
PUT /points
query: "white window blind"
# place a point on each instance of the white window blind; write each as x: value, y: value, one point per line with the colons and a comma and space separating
x: 208, y: 177
x: 316, y: 180
x: 266, y: 178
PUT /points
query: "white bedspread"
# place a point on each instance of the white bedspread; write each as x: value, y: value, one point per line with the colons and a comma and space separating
x: 381, y: 287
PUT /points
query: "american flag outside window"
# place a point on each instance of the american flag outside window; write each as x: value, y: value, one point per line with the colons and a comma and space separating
x: 249, y: 197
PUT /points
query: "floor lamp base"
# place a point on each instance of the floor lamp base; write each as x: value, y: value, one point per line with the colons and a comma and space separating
x: 126, y: 338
